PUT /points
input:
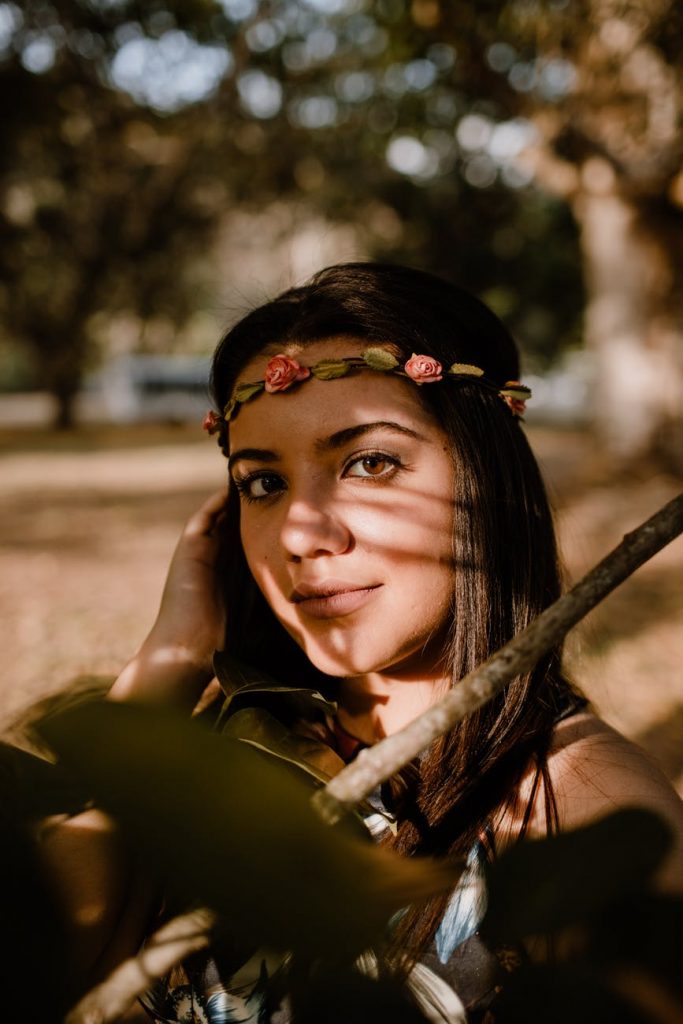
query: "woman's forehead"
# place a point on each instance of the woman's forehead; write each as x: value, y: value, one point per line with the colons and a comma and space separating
x: 317, y: 409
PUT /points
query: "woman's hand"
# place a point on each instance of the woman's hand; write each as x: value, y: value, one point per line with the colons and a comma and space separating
x: 191, y: 616
x: 174, y: 662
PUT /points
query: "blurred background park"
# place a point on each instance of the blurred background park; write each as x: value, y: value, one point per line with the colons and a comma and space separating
x: 164, y: 166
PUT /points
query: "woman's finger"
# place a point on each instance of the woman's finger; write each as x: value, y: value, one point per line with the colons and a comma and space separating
x: 202, y: 522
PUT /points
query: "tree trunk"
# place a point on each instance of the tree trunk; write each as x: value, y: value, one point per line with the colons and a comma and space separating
x: 633, y: 259
x: 64, y: 415
x: 62, y: 356
x: 63, y: 380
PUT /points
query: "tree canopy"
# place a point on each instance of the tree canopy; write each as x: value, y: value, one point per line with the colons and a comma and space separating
x: 470, y: 139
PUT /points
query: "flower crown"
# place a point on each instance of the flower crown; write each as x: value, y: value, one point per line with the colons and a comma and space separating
x: 282, y: 372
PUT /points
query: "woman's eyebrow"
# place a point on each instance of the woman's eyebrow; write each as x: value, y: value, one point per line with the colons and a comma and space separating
x: 326, y: 444
x: 343, y: 437
x: 253, y: 455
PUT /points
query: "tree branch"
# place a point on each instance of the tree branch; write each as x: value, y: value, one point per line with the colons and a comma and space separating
x: 376, y: 764
x: 186, y: 934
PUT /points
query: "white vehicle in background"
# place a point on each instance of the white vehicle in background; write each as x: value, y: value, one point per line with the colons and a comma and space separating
x: 561, y: 395
x: 148, y: 388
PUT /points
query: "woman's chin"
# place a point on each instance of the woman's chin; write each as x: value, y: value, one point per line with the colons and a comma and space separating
x: 360, y: 660
x: 342, y: 665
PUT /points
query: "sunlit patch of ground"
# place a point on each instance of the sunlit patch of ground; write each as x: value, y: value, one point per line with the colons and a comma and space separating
x: 89, y: 522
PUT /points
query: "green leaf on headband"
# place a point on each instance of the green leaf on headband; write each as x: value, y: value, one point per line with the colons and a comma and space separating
x: 467, y: 369
x: 243, y: 392
x: 519, y: 391
x: 229, y: 409
x: 330, y: 369
x: 379, y: 359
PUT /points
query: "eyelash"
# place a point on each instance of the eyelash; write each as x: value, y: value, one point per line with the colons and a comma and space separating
x: 243, y: 483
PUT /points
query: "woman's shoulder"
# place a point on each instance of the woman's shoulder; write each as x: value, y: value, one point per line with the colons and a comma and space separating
x: 594, y: 770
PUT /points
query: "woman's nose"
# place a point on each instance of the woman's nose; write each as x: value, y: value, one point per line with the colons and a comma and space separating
x: 310, y: 532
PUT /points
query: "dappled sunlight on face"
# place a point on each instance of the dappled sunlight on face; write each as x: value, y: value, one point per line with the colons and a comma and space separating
x: 347, y: 503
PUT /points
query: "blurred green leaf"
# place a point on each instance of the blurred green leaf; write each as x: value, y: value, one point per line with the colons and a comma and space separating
x: 562, y: 994
x: 338, y: 995
x: 35, y: 788
x: 225, y: 826
x: 548, y: 884
x: 645, y: 931
x: 34, y: 969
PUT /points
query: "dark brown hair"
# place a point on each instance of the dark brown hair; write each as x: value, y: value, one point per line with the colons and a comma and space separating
x: 504, y: 544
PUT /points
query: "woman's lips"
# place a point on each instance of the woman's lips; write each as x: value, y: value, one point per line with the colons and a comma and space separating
x: 330, y: 605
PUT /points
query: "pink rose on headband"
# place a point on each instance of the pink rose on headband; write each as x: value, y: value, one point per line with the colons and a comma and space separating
x: 424, y: 369
x: 212, y: 422
x: 517, y: 405
x: 282, y: 371
x: 515, y: 396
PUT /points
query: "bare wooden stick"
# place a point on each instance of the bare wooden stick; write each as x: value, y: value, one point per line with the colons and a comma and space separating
x: 182, y: 936
x: 168, y: 946
x: 376, y: 764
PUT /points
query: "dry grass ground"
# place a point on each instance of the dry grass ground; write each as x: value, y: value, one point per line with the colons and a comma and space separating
x: 88, y: 524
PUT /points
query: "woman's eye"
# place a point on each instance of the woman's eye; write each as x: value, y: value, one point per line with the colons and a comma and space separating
x: 261, y: 485
x: 374, y: 465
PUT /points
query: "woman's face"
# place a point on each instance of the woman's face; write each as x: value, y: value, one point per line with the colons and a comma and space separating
x: 346, y: 491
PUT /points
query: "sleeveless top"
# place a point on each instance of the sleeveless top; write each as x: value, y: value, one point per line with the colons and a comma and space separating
x: 457, y: 978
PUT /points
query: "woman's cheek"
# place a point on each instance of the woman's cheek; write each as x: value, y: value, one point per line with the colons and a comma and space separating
x: 258, y: 562
x: 372, y: 527
x: 395, y: 538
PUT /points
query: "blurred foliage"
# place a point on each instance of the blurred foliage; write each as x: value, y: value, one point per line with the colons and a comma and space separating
x: 222, y: 824
x: 617, y: 937
x: 209, y: 801
x: 632, y: 845
x: 135, y: 127
x: 109, y: 200
x: 35, y: 952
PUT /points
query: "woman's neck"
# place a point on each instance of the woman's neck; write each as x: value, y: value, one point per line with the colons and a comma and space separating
x: 372, y: 707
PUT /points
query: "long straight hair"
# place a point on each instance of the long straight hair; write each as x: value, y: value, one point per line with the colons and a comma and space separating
x: 506, y: 566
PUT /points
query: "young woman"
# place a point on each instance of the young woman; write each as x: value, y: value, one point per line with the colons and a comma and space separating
x: 386, y: 529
